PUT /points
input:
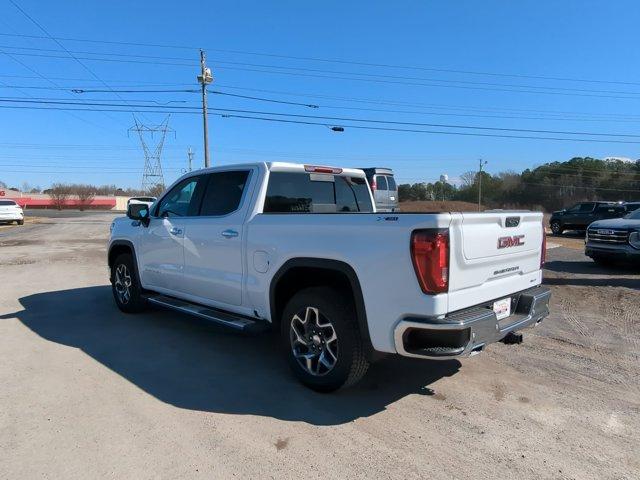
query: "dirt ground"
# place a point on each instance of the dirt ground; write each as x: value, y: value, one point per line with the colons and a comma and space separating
x: 88, y: 392
x: 28, y: 220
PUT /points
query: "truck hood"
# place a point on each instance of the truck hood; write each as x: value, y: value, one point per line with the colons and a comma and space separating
x: 625, y: 223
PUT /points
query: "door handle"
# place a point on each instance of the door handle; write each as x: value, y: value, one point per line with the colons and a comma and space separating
x: 175, y: 231
x: 229, y: 233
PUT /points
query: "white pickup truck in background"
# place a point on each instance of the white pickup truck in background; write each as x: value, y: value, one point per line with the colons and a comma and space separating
x: 300, y: 248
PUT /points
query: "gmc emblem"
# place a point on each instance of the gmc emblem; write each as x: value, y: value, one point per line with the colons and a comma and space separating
x: 508, y: 242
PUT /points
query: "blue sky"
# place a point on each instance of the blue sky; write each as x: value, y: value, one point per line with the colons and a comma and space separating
x: 505, y: 43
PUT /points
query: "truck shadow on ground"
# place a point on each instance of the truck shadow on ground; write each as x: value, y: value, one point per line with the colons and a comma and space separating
x: 195, y: 365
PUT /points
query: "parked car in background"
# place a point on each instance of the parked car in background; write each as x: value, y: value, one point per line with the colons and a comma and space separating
x: 614, y: 239
x: 10, y: 211
x: 631, y: 206
x: 579, y: 216
x: 300, y: 248
x: 144, y: 200
x: 384, y: 188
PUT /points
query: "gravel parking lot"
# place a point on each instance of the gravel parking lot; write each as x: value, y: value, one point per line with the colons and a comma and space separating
x: 88, y: 392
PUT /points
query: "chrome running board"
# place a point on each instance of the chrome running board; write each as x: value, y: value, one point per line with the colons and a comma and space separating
x: 227, y: 319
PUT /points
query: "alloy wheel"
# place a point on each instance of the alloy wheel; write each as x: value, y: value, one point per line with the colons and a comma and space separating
x: 122, y: 283
x: 314, y: 342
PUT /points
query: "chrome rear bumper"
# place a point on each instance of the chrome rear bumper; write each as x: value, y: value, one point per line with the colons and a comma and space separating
x: 469, y: 331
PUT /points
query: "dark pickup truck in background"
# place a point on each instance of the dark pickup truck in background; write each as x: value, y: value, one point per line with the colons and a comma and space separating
x: 581, y: 215
x: 614, y: 239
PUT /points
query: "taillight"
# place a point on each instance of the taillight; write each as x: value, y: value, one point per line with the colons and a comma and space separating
x: 543, y: 255
x: 319, y: 169
x: 430, y: 256
x: 374, y: 185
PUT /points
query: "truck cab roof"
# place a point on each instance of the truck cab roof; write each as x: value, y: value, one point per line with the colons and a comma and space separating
x: 283, y: 167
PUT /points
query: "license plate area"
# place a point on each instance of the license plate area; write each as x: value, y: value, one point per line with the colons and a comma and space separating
x: 502, y: 308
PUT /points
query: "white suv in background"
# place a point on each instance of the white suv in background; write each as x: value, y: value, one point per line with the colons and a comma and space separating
x: 10, y: 211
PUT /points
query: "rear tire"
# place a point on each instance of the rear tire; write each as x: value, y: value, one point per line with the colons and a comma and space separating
x: 321, y: 339
x: 125, y: 285
x: 556, y: 228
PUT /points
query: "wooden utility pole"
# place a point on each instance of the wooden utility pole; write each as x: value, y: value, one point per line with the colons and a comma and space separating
x: 482, y: 164
x: 205, y: 78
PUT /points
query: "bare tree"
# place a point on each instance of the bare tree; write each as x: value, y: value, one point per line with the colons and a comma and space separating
x: 59, y: 193
x: 156, y: 190
x: 85, y: 194
x: 468, y: 178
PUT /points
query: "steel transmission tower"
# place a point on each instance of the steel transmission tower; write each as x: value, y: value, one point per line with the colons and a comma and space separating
x: 152, y: 175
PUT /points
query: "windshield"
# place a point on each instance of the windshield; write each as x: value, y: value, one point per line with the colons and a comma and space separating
x: 635, y: 215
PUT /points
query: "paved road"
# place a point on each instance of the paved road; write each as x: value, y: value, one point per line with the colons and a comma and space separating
x: 88, y: 392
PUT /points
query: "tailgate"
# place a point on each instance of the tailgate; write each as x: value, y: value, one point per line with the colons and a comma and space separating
x: 493, y: 254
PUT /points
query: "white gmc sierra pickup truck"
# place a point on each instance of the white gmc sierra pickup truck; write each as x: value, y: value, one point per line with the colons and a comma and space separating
x: 301, y: 248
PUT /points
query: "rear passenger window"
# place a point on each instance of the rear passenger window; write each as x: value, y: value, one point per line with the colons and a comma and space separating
x: 6, y: 203
x: 587, y: 207
x: 381, y: 182
x: 223, y: 193
x: 290, y: 192
x: 607, y: 209
x: 352, y: 195
x: 392, y: 183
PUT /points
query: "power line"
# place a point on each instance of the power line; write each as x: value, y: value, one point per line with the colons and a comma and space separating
x: 19, y: 88
x: 359, y: 127
x: 346, y: 99
x: 413, y: 104
x: 621, y: 118
x: 315, y: 70
x: 375, y: 78
x: 44, y: 30
x: 633, y: 119
x: 74, y: 79
x: 340, y: 119
x: 337, y: 61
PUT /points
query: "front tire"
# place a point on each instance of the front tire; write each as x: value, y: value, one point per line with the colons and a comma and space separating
x: 556, y: 228
x: 20, y: 222
x: 125, y: 285
x: 321, y: 339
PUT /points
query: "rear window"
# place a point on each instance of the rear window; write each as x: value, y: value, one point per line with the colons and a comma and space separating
x: 6, y: 203
x: 632, y: 207
x: 610, y: 209
x: 392, y: 183
x: 381, y: 182
x: 290, y: 192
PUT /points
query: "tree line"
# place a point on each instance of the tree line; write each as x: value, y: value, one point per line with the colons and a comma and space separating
x: 549, y: 187
x: 84, y: 193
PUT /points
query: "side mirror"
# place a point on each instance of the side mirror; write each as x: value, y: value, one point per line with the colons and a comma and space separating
x: 139, y: 212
